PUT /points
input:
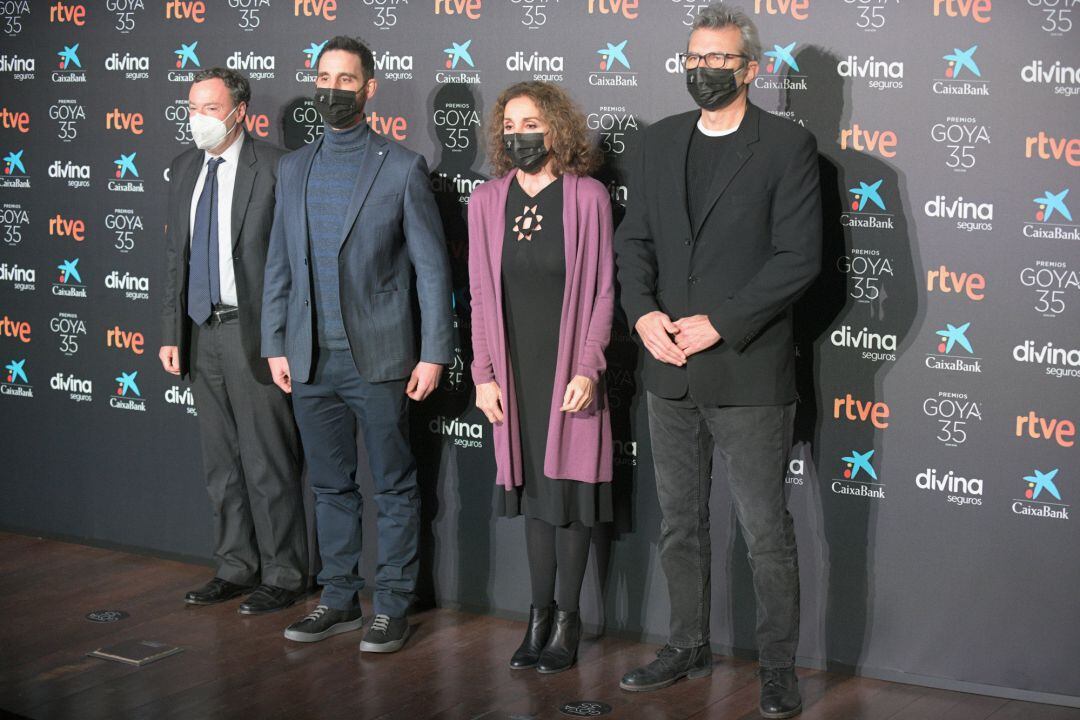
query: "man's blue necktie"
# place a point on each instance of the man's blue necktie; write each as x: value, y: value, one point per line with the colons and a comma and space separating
x: 204, y: 280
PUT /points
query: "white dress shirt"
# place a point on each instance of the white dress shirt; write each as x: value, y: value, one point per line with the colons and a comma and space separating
x: 226, y: 179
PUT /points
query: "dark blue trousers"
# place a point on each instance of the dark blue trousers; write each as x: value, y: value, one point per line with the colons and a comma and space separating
x: 327, y: 410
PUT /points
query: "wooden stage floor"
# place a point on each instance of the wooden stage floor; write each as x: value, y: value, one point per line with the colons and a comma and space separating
x: 454, y: 667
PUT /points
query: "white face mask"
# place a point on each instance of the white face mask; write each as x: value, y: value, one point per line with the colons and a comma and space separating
x: 207, y: 131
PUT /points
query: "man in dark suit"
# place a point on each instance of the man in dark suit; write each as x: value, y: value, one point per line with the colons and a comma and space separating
x: 355, y: 223
x: 221, y: 207
x: 722, y: 233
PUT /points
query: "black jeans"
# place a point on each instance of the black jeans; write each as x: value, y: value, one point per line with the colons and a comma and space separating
x: 754, y: 442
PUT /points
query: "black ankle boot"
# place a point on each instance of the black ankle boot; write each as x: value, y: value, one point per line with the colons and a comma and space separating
x: 560, y: 653
x: 536, y: 637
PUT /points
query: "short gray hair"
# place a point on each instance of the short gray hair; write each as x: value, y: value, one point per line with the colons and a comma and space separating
x: 720, y: 15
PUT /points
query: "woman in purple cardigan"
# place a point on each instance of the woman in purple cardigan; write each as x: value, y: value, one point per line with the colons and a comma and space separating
x: 541, y: 274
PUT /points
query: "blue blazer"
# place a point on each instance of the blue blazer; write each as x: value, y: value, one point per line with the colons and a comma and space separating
x: 392, y: 234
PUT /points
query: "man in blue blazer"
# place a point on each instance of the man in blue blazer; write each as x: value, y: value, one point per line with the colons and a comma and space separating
x: 355, y: 223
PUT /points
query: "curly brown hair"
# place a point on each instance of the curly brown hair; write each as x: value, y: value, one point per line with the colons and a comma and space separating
x: 571, y: 147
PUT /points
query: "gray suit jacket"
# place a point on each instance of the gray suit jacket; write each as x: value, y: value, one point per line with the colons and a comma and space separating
x: 392, y: 235
x: 252, y: 216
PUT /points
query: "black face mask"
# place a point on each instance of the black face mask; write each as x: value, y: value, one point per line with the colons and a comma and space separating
x: 339, y: 108
x: 712, y: 89
x: 526, y: 150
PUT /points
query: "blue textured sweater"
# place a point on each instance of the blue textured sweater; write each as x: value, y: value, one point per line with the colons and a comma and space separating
x: 329, y: 190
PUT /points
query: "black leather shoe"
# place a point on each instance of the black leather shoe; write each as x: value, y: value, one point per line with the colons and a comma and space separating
x: 268, y: 599
x: 671, y: 663
x: 560, y: 653
x: 779, y: 693
x: 536, y: 637
x: 215, y: 591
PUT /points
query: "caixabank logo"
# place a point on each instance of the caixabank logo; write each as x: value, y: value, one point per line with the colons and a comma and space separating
x: 962, y: 75
x: 68, y: 114
x: 874, y: 72
x: 458, y: 66
x: 125, y: 14
x: 133, y: 67
x: 20, y: 68
x: 460, y: 433
x: 1042, y: 498
x: 978, y: 11
x: 77, y: 389
x: 534, y: 13
x: 955, y: 352
x: 1053, y: 283
x: 16, y: 382
x: 13, y: 13
x: 13, y: 221
x: 17, y: 277
x: 858, y: 477
x: 253, y: 65
x: 956, y: 488
x: 866, y: 209
x: 393, y: 67
x: 126, y: 176
x: 962, y: 138
x: 965, y: 214
x: 15, y: 175
x: 126, y: 226
x: 186, y: 63
x: 69, y: 67
x: 127, y: 395
x: 1052, y: 218
x: 953, y: 414
x: 871, y: 15
x: 307, y: 73
x: 18, y: 120
x: 871, y: 345
x: 1057, y: 16
x: 1055, y: 361
x: 780, y: 70
x: 613, y: 67
x: 867, y: 272
x: 1059, y: 78
x: 249, y: 13
x: 385, y: 12
x: 69, y: 330
x: 183, y: 397
x: 69, y: 281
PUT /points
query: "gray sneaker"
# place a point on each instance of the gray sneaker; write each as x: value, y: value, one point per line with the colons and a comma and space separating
x: 386, y: 634
x: 323, y: 623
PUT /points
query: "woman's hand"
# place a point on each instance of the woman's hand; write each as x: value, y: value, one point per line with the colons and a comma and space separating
x: 579, y: 393
x: 489, y: 400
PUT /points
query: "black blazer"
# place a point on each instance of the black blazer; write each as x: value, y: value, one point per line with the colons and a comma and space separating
x: 755, y: 251
x: 252, y: 218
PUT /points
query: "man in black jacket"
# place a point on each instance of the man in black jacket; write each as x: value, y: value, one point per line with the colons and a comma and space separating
x: 221, y: 208
x: 722, y: 234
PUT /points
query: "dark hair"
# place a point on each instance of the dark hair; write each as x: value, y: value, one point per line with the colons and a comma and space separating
x: 354, y: 46
x: 571, y: 147
x: 238, y: 85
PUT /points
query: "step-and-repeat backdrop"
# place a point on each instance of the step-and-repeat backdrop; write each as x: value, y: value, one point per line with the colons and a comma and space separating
x: 935, y: 476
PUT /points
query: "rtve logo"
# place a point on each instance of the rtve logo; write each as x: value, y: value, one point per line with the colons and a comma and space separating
x: 257, y: 124
x: 18, y: 329
x: 946, y: 281
x: 977, y: 10
x: 1052, y: 148
x: 61, y: 12
x: 881, y: 141
x: 627, y: 8
x: 193, y: 10
x: 326, y: 9
x: 117, y: 119
x: 62, y: 227
x: 124, y: 340
x: 392, y: 126
x: 848, y: 408
x: 1063, y: 432
x: 797, y: 9
x: 15, y: 120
